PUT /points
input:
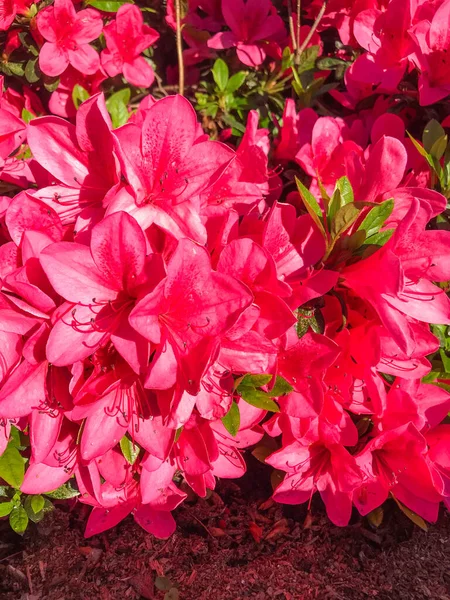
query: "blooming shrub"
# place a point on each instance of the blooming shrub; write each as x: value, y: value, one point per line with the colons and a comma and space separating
x: 170, y: 299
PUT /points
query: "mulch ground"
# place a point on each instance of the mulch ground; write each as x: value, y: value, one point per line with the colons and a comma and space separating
x: 232, y: 546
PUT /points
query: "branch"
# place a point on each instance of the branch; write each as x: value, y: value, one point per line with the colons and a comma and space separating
x: 179, y: 47
x: 312, y: 30
x: 291, y: 26
x: 299, y: 22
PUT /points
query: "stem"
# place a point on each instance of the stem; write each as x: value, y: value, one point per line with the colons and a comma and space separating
x: 312, y: 30
x: 179, y: 47
x: 299, y: 22
x: 291, y: 26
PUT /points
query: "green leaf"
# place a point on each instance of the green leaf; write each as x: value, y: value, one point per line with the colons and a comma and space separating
x: 236, y: 81
x: 14, y: 436
x: 438, y: 148
x: 51, y: 84
x: 107, y: 5
x: 37, y: 503
x: 308, y: 59
x: 431, y: 134
x: 232, y: 420
x: 117, y: 106
x: 12, y: 467
x: 376, y: 217
x: 258, y: 398
x: 27, y: 116
x: 287, y: 59
x: 254, y: 381
x: 232, y: 122
x: 79, y: 95
x: 129, y: 449
x: 280, y: 388
x: 32, y: 71
x: 311, y: 205
x: 178, y: 432
x: 23, y: 36
x: 220, y: 73
x: 5, y: 508
x: 16, y: 68
x: 18, y: 519
x: 329, y: 63
x: 411, y: 515
x: 344, y: 219
x: 345, y: 187
x: 379, y: 239
x: 64, y: 492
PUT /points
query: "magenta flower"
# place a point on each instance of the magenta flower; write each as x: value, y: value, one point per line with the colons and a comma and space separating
x: 101, y: 285
x: 126, y: 38
x: 432, y: 56
x: 253, y: 26
x: 186, y: 314
x: 9, y: 9
x: 67, y: 34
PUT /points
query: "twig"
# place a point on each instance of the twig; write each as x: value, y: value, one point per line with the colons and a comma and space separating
x: 299, y: 22
x: 312, y: 30
x: 179, y: 47
x: 291, y: 26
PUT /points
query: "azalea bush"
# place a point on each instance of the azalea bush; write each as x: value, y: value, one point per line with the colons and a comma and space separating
x: 224, y: 230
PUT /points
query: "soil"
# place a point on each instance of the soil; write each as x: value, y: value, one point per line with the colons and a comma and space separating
x: 234, y: 545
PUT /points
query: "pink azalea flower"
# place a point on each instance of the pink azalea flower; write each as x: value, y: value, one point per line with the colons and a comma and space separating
x: 126, y: 38
x: 433, y: 48
x: 167, y: 163
x: 67, y: 34
x: 327, y: 468
x: 395, y: 462
x: 9, y: 9
x: 101, y: 285
x: 253, y: 25
x: 185, y: 315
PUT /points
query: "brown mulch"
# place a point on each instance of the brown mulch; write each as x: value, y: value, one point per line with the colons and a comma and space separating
x: 232, y: 546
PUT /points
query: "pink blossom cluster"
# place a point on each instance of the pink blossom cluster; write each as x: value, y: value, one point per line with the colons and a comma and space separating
x: 398, y: 37
x: 158, y: 293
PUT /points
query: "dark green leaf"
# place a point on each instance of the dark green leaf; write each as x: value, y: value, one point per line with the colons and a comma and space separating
x: 51, y: 84
x: 18, y: 519
x: 12, y: 467
x: 376, y: 217
x: 232, y: 420
x: 308, y: 58
x: 220, y: 73
x: 329, y: 63
x: 32, y: 71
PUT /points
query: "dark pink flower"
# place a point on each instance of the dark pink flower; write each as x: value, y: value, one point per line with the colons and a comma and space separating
x: 67, y: 34
x: 126, y: 38
x: 253, y: 25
